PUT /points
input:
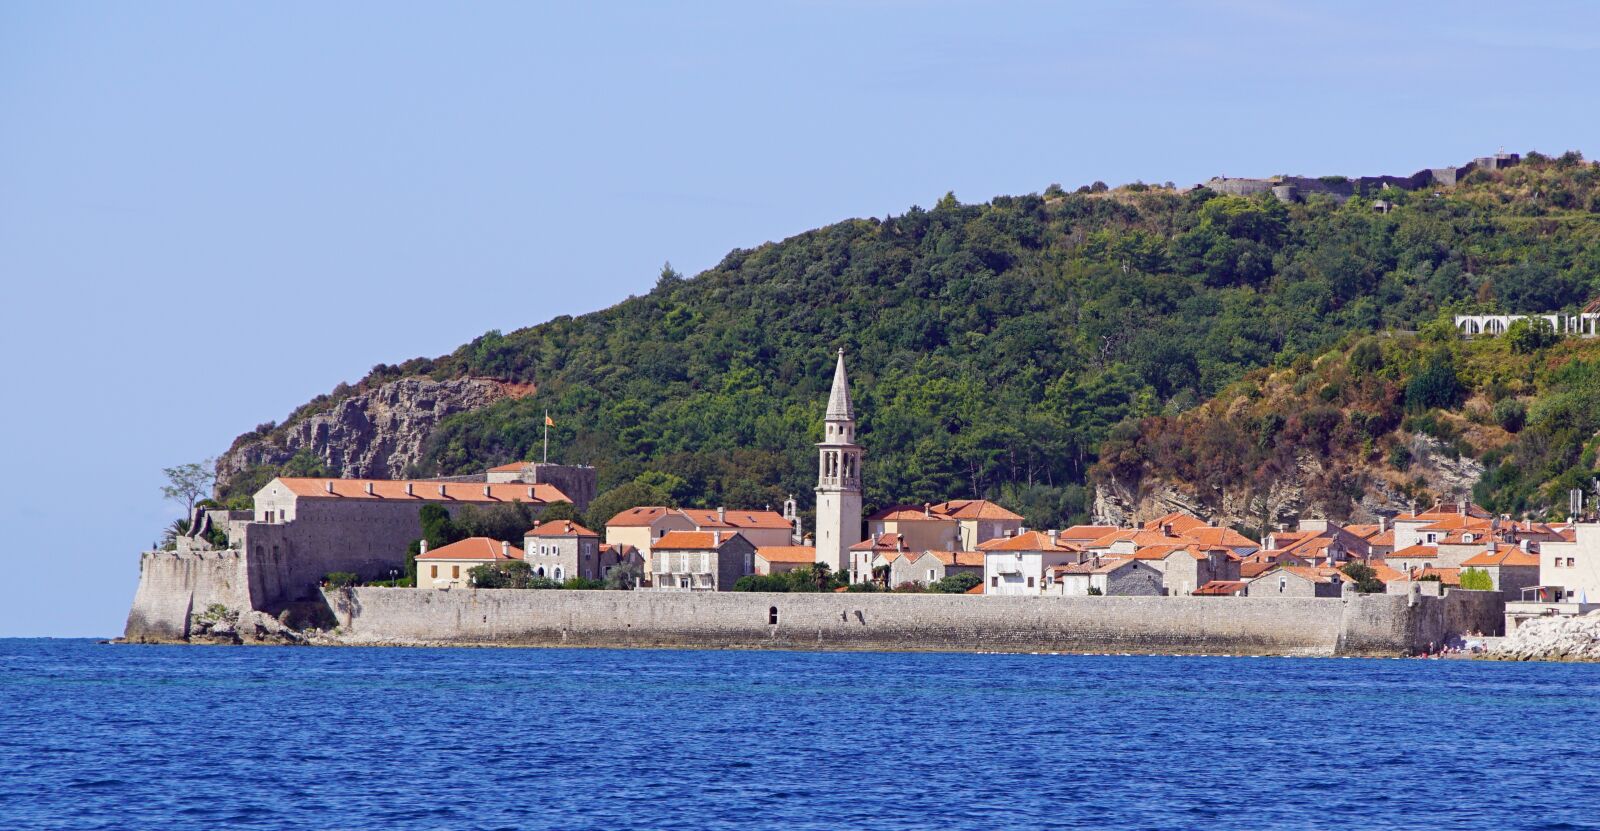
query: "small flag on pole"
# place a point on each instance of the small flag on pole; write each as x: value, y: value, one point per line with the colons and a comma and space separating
x: 547, y: 425
x: 549, y: 422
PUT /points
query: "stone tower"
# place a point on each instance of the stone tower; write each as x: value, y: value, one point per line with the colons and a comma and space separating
x: 838, y: 477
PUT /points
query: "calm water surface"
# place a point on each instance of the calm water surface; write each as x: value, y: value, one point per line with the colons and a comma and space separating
x: 126, y: 737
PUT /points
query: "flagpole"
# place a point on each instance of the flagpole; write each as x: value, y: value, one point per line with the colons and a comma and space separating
x: 547, y: 436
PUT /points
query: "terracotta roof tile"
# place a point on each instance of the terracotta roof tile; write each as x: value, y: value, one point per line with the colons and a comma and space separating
x: 974, y: 509
x: 1221, y: 588
x: 1509, y: 556
x: 559, y: 528
x: 689, y: 541
x: 473, y: 548
x: 803, y: 554
x: 422, y: 490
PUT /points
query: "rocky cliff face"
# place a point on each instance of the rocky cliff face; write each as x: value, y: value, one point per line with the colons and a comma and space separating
x: 375, y: 434
x: 1439, y: 470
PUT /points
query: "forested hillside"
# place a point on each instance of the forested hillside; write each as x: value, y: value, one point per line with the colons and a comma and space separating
x: 1381, y: 420
x: 994, y: 347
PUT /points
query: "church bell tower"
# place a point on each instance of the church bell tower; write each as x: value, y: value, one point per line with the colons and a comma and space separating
x: 838, y: 477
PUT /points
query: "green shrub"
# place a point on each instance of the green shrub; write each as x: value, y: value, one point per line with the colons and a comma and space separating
x: 955, y: 583
x: 340, y: 579
x: 1511, y: 415
x: 1476, y: 579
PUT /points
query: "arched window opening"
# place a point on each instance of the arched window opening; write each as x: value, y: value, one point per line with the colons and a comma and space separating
x: 772, y: 616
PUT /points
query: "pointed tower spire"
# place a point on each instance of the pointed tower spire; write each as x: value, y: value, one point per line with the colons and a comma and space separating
x: 839, y: 406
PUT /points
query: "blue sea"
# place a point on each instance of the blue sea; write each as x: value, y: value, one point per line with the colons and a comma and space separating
x: 160, y: 737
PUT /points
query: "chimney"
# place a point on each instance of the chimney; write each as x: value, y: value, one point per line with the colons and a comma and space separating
x: 441, y: 490
x: 716, y: 539
x: 927, y: 509
x: 1055, y: 538
x: 1383, y: 524
x: 1166, y: 529
x: 1461, y: 506
x: 531, y: 497
x: 486, y: 490
x: 899, y: 542
x: 505, y: 549
x: 536, y: 525
x: 422, y: 548
x: 408, y: 488
x: 1494, y: 545
x: 330, y: 486
x: 1523, y: 543
x: 722, y: 514
x: 369, y: 489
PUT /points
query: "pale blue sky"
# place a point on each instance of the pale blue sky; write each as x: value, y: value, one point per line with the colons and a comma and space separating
x: 210, y: 213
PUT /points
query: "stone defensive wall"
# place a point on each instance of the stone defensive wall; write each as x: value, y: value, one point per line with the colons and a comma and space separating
x: 174, y: 585
x: 1352, y: 625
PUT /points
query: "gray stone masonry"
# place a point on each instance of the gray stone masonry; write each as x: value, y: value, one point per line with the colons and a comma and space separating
x: 1352, y: 625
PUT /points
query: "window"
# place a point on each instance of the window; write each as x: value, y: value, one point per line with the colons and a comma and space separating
x: 995, y: 582
x: 435, y: 572
x: 1283, y: 583
x: 1572, y: 562
x: 558, y: 572
x: 930, y: 575
x: 1030, y: 582
x: 772, y: 616
x: 455, y: 571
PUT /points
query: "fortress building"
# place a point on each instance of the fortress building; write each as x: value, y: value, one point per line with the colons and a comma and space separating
x: 838, y: 477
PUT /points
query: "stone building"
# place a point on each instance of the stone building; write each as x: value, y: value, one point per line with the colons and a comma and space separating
x: 781, y: 559
x: 578, y: 482
x: 1188, y: 568
x: 917, y: 525
x: 1298, y: 581
x: 304, y: 528
x: 1019, y: 565
x: 563, y: 549
x: 640, y: 527
x: 700, y: 561
x: 1510, y: 569
x: 449, y: 566
x: 924, y: 568
x: 1106, y: 577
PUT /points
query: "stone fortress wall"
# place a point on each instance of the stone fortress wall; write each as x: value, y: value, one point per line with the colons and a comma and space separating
x: 1295, y: 188
x: 1351, y: 625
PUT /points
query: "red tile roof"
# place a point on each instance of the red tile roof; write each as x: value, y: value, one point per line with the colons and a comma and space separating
x: 514, y: 467
x: 1509, y: 556
x: 699, y: 517
x: 1414, y: 552
x: 956, y: 558
x: 473, y: 548
x: 1221, y: 588
x: 803, y: 554
x: 974, y: 509
x: 1087, y: 533
x: 559, y: 528
x: 908, y: 513
x: 1028, y: 541
x: 887, y: 541
x: 1180, y: 522
x: 689, y: 541
x: 422, y: 490
x: 1255, y: 569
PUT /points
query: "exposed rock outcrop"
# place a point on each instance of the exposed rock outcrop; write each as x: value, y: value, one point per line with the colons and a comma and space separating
x: 1552, y: 639
x: 375, y: 434
x: 1445, y: 474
